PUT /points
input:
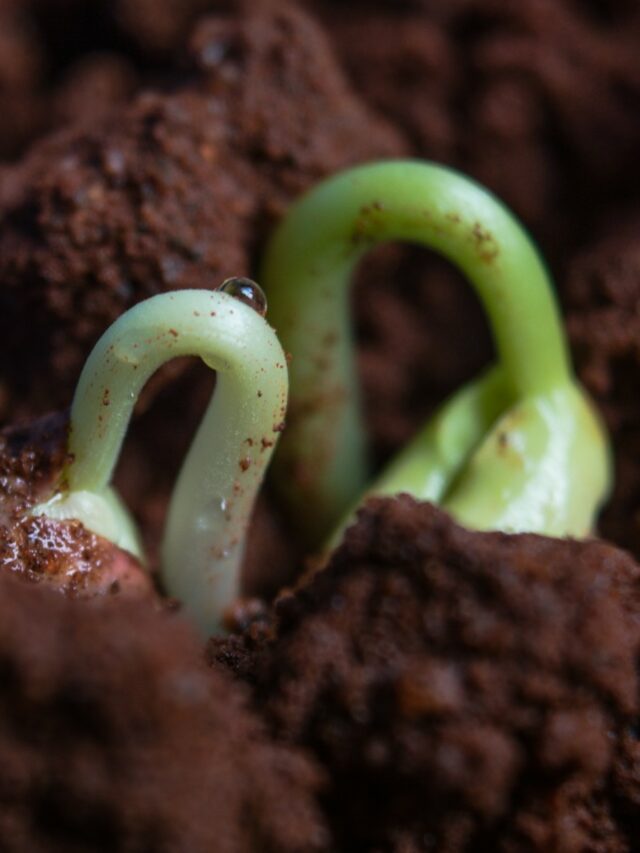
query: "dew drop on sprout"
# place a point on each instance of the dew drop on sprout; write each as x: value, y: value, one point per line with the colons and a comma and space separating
x: 246, y: 291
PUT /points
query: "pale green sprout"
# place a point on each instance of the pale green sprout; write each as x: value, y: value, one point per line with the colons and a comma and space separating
x: 520, y: 449
x: 215, y: 491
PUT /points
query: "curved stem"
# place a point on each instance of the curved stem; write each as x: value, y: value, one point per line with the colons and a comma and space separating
x: 431, y: 461
x: 538, y: 464
x: 426, y: 467
x: 216, y: 488
x: 321, y: 464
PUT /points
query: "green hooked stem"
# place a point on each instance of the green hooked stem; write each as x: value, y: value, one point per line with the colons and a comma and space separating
x: 216, y: 488
x: 321, y: 465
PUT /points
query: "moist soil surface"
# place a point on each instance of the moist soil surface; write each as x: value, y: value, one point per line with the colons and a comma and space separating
x: 464, y: 691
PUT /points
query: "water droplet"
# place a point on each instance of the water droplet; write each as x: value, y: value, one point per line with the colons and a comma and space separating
x: 246, y: 291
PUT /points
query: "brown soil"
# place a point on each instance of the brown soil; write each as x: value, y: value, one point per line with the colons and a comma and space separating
x: 538, y: 100
x: 66, y: 60
x: 131, y: 745
x: 461, y: 692
x: 603, y: 300
x: 63, y: 555
x: 464, y: 691
x: 172, y: 193
x: 175, y: 192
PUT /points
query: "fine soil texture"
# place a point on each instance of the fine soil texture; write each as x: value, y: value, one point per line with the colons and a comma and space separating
x: 464, y: 691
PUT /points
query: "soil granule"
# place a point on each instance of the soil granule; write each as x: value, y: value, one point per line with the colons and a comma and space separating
x: 465, y: 691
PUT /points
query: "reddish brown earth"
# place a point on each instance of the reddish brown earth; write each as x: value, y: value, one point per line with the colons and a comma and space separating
x: 464, y: 691
x: 131, y: 744
x: 538, y: 100
x: 173, y: 192
x: 64, y: 60
x: 63, y: 555
x: 603, y: 300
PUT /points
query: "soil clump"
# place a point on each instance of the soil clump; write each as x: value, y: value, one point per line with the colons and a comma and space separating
x: 464, y: 691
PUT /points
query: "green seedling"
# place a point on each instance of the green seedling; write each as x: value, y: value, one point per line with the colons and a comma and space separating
x: 222, y: 472
x: 520, y: 449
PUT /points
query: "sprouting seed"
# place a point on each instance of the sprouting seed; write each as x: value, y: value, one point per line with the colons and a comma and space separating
x: 204, y: 537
